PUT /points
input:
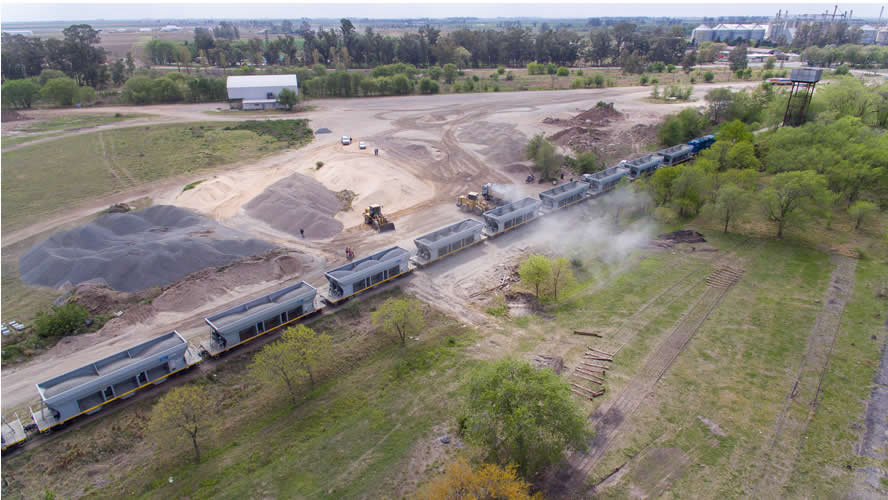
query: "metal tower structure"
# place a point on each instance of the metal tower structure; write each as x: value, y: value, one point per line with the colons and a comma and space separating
x: 803, y: 82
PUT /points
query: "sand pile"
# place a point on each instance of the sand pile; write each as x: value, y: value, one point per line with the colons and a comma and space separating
x: 503, y: 141
x: 136, y: 250
x: 298, y: 202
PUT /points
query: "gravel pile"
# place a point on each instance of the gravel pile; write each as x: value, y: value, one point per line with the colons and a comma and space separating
x: 136, y: 250
x: 298, y: 202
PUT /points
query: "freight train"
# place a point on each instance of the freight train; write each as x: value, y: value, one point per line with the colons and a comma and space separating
x: 88, y: 389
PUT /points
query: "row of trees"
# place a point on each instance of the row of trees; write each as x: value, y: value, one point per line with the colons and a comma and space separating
x: 858, y: 56
x: 52, y: 86
x: 77, y: 54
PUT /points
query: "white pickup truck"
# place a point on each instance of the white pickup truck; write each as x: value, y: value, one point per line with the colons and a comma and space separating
x: 346, y: 140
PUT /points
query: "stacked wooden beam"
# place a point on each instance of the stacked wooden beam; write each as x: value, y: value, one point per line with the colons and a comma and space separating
x: 591, y: 369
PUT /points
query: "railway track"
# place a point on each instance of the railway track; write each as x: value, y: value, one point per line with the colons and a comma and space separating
x: 608, y: 422
x: 778, y: 459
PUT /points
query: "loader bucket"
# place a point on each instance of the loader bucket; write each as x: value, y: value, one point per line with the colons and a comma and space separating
x: 388, y: 226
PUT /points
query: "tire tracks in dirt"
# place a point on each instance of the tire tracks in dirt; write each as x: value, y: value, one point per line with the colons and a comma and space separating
x: 568, y: 480
x: 777, y: 460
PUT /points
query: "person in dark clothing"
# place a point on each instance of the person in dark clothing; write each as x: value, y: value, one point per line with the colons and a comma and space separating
x: 302, y: 233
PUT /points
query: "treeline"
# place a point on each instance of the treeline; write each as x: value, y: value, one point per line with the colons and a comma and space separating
x: 173, y: 88
x: 838, y: 161
x: 77, y: 55
x: 857, y: 56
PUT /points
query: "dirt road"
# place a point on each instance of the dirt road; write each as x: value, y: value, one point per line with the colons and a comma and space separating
x: 431, y: 149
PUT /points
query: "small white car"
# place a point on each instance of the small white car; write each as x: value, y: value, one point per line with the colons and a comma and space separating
x: 362, y: 145
x: 346, y: 140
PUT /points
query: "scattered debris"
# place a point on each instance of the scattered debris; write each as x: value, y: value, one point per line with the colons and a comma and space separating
x: 591, y: 334
x: 556, y: 363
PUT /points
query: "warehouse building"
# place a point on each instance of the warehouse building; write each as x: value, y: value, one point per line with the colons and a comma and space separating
x: 750, y: 33
x: 258, y: 91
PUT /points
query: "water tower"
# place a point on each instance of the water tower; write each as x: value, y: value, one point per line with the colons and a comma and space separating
x: 803, y: 82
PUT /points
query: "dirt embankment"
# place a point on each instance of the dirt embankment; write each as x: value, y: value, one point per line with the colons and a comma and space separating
x: 604, y: 131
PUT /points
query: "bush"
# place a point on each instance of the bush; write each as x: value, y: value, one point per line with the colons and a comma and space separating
x: 643, y: 80
x: 428, y: 86
x: 563, y: 71
x: 709, y: 76
x: 842, y: 70
x: 577, y: 83
x: 475, y: 78
x: 656, y: 67
x: 501, y: 69
x: 61, y: 320
x: 510, y: 76
x: 670, y: 68
x: 19, y: 93
x: 435, y: 72
x: 494, y: 76
x: 551, y: 68
x: 62, y: 91
x: 579, y: 72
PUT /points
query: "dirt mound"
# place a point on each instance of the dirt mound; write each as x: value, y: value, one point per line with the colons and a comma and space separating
x: 682, y: 236
x: 570, y: 132
x: 298, y: 202
x: 8, y: 115
x: 136, y: 250
x: 603, y: 112
x: 205, y: 285
x: 502, y: 140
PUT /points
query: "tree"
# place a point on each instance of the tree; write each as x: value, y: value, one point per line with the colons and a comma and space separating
x: 19, y: 93
x: 737, y: 57
x: 461, y: 481
x: 535, y: 270
x: 60, y: 320
x: 599, y: 46
x: 184, y: 413
x: 730, y: 203
x: 769, y: 63
x: 449, y: 72
x: 83, y: 54
x: 790, y: 191
x: 522, y: 415
x: 586, y: 163
x: 742, y: 155
x: 294, y: 356
x: 689, y: 61
x: 62, y: 91
x: 543, y: 155
x: 719, y: 100
x: 400, y: 316
x: 435, y: 72
x: 561, y: 274
x: 734, y: 132
x: 288, y: 98
x: 860, y: 210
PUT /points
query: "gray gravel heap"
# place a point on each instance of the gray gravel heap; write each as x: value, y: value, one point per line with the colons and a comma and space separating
x: 137, y: 250
x: 298, y: 202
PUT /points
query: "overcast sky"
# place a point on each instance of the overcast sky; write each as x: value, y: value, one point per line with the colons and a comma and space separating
x: 13, y: 11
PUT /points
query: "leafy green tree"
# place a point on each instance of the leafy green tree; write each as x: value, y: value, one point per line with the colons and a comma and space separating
x: 83, y: 54
x: 522, y: 415
x: 709, y: 76
x: 546, y: 161
x: 734, y: 132
x: 730, y: 203
x: 861, y: 210
x: 62, y: 91
x: 86, y: 95
x: 288, y: 98
x: 450, y: 71
x: 60, y: 320
x: 435, y: 72
x: 681, y: 127
x: 428, y: 86
x: 586, y: 163
x: 563, y: 71
x: 689, y: 61
x: 400, y: 316
x: 535, y: 270
x: 769, y: 63
x: 737, y: 57
x: 19, y: 93
x: 183, y: 414
x: 791, y: 191
x: 292, y: 358
x: 742, y: 155
x: 719, y: 100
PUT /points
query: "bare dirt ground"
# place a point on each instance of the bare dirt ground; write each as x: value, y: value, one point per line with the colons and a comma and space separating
x: 431, y: 150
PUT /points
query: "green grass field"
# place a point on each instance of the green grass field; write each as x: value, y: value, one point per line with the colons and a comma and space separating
x: 41, y: 181
x: 74, y: 121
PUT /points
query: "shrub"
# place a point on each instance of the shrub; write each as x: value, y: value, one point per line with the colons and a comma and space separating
x: 579, y: 72
x: 501, y: 69
x: 842, y: 70
x: 577, y: 83
x: 551, y: 68
x: 61, y: 320
x: 709, y: 76
x: 62, y: 91
x: 510, y: 76
x: 670, y: 68
x: 643, y: 80
x: 19, y: 93
x: 563, y: 71
x: 475, y: 78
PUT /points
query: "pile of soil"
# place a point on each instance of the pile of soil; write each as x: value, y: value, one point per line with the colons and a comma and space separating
x: 136, y: 250
x: 599, y: 116
x: 298, y: 202
x: 8, y: 115
x: 682, y: 236
x: 503, y: 141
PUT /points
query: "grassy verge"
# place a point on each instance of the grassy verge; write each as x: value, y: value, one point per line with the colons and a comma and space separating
x: 734, y: 373
x: 351, y: 437
x: 834, y: 433
x: 41, y: 181
x: 14, y: 141
x: 74, y: 121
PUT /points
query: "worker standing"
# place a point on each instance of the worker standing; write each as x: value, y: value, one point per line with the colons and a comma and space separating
x: 376, y: 151
x: 302, y: 233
